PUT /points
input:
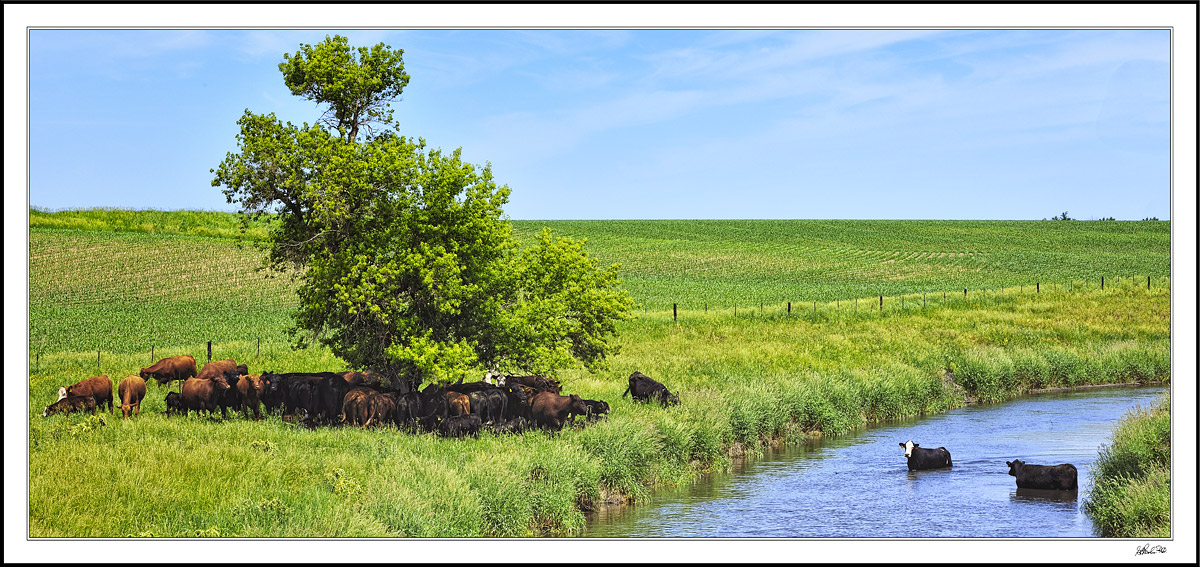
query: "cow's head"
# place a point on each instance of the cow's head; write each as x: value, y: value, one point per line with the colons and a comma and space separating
x: 1015, y: 466
x: 908, y: 447
x: 50, y: 409
x: 62, y: 393
x: 143, y: 374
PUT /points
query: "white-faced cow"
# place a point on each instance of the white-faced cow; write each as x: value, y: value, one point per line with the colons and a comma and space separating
x: 920, y: 459
x: 1044, y: 477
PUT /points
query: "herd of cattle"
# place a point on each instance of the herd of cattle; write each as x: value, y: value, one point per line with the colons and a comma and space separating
x: 505, y: 404
x: 1062, y: 477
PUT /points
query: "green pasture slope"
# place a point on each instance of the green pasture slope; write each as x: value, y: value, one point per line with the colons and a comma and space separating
x: 123, y: 282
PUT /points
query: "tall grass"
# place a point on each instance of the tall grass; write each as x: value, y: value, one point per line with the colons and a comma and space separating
x: 1132, y: 492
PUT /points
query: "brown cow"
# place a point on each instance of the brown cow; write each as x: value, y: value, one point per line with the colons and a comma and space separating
x: 98, y: 387
x: 368, y: 379
x: 203, y: 394
x: 251, y: 388
x: 459, y: 403
x: 131, y: 390
x: 225, y: 367
x: 551, y: 410
x: 383, y: 407
x: 170, y: 369
x: 70, y: 404
x: 356, y: 406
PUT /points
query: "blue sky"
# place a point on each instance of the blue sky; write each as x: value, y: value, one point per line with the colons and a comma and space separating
x: 623, y: 123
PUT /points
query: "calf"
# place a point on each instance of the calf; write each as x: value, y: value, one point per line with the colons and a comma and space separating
x: 460, y: 426
x: 170, y: 369
x: 250, y: 390
x: 514, y: 425
x: 921, y: 459
x: 645, y: 388
x: 131, y: 390
x: 100, y: 388
x: 203, y: 394
x: 595, y: 409
x: 70, y: 404
x: 1044, y: 477
x: 174, y: 403
x: 551, y: 410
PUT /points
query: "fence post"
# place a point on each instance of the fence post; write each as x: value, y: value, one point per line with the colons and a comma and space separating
x: 1101, y: 283
x: 210, y: 351
x: 814, y: 308
x: 1147, y: 283
x: 97, y: 360
x: 675, y: 311
x: 964, y: 294
x: 881, y: 304
x: 789, y: 309
x: 760, y: 308
x: 1039, y: 287
x: 258, y: 349
x: 151, y: 354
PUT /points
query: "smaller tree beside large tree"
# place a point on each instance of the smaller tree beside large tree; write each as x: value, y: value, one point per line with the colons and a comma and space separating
x: 405, y: 259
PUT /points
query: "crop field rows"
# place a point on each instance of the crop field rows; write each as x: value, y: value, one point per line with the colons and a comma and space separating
x: 127, y: 286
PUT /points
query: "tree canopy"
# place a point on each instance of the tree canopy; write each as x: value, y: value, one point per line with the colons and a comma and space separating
x: 407, y: 262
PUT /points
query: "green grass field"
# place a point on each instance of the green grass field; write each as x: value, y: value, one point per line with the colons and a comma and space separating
x: 130, y: 282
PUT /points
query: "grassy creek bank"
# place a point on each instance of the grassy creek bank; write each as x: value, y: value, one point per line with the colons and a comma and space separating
x: 1132, y: 494
x: 745, y: 383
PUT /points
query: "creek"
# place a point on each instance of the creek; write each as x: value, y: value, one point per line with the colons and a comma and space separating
x: 857, y: 485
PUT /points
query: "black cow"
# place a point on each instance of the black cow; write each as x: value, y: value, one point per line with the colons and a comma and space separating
x: 1044, y: 477
x: 645, y: 388
x: 174, y: 403
x: 537, y: 382
x: 408, y: 409
x: 232, y: 398
x: 595, y: 409
x: 514, y: 425
x: 517, y: 404
x: 460, y: 426
x: 319, y: 394
x: 434, y: 408
x: 70, y: 404
x: 920, y: 459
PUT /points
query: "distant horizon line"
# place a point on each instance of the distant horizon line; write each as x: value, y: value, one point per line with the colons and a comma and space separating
x: 41, y: 209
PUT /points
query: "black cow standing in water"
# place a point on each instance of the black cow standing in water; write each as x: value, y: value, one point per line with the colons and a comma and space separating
x: 920, y: 459
x: 1044, y: 477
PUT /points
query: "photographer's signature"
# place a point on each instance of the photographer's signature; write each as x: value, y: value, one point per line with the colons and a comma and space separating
x: 1150, y: 549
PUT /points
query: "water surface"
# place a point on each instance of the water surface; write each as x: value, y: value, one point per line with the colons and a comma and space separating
x: 858, y: 485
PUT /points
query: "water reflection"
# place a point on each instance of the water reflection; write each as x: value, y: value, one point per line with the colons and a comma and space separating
x: 859, y: 485
x: 1035, y: 495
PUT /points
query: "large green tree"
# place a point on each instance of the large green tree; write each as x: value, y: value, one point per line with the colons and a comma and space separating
x: 406, y: 261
